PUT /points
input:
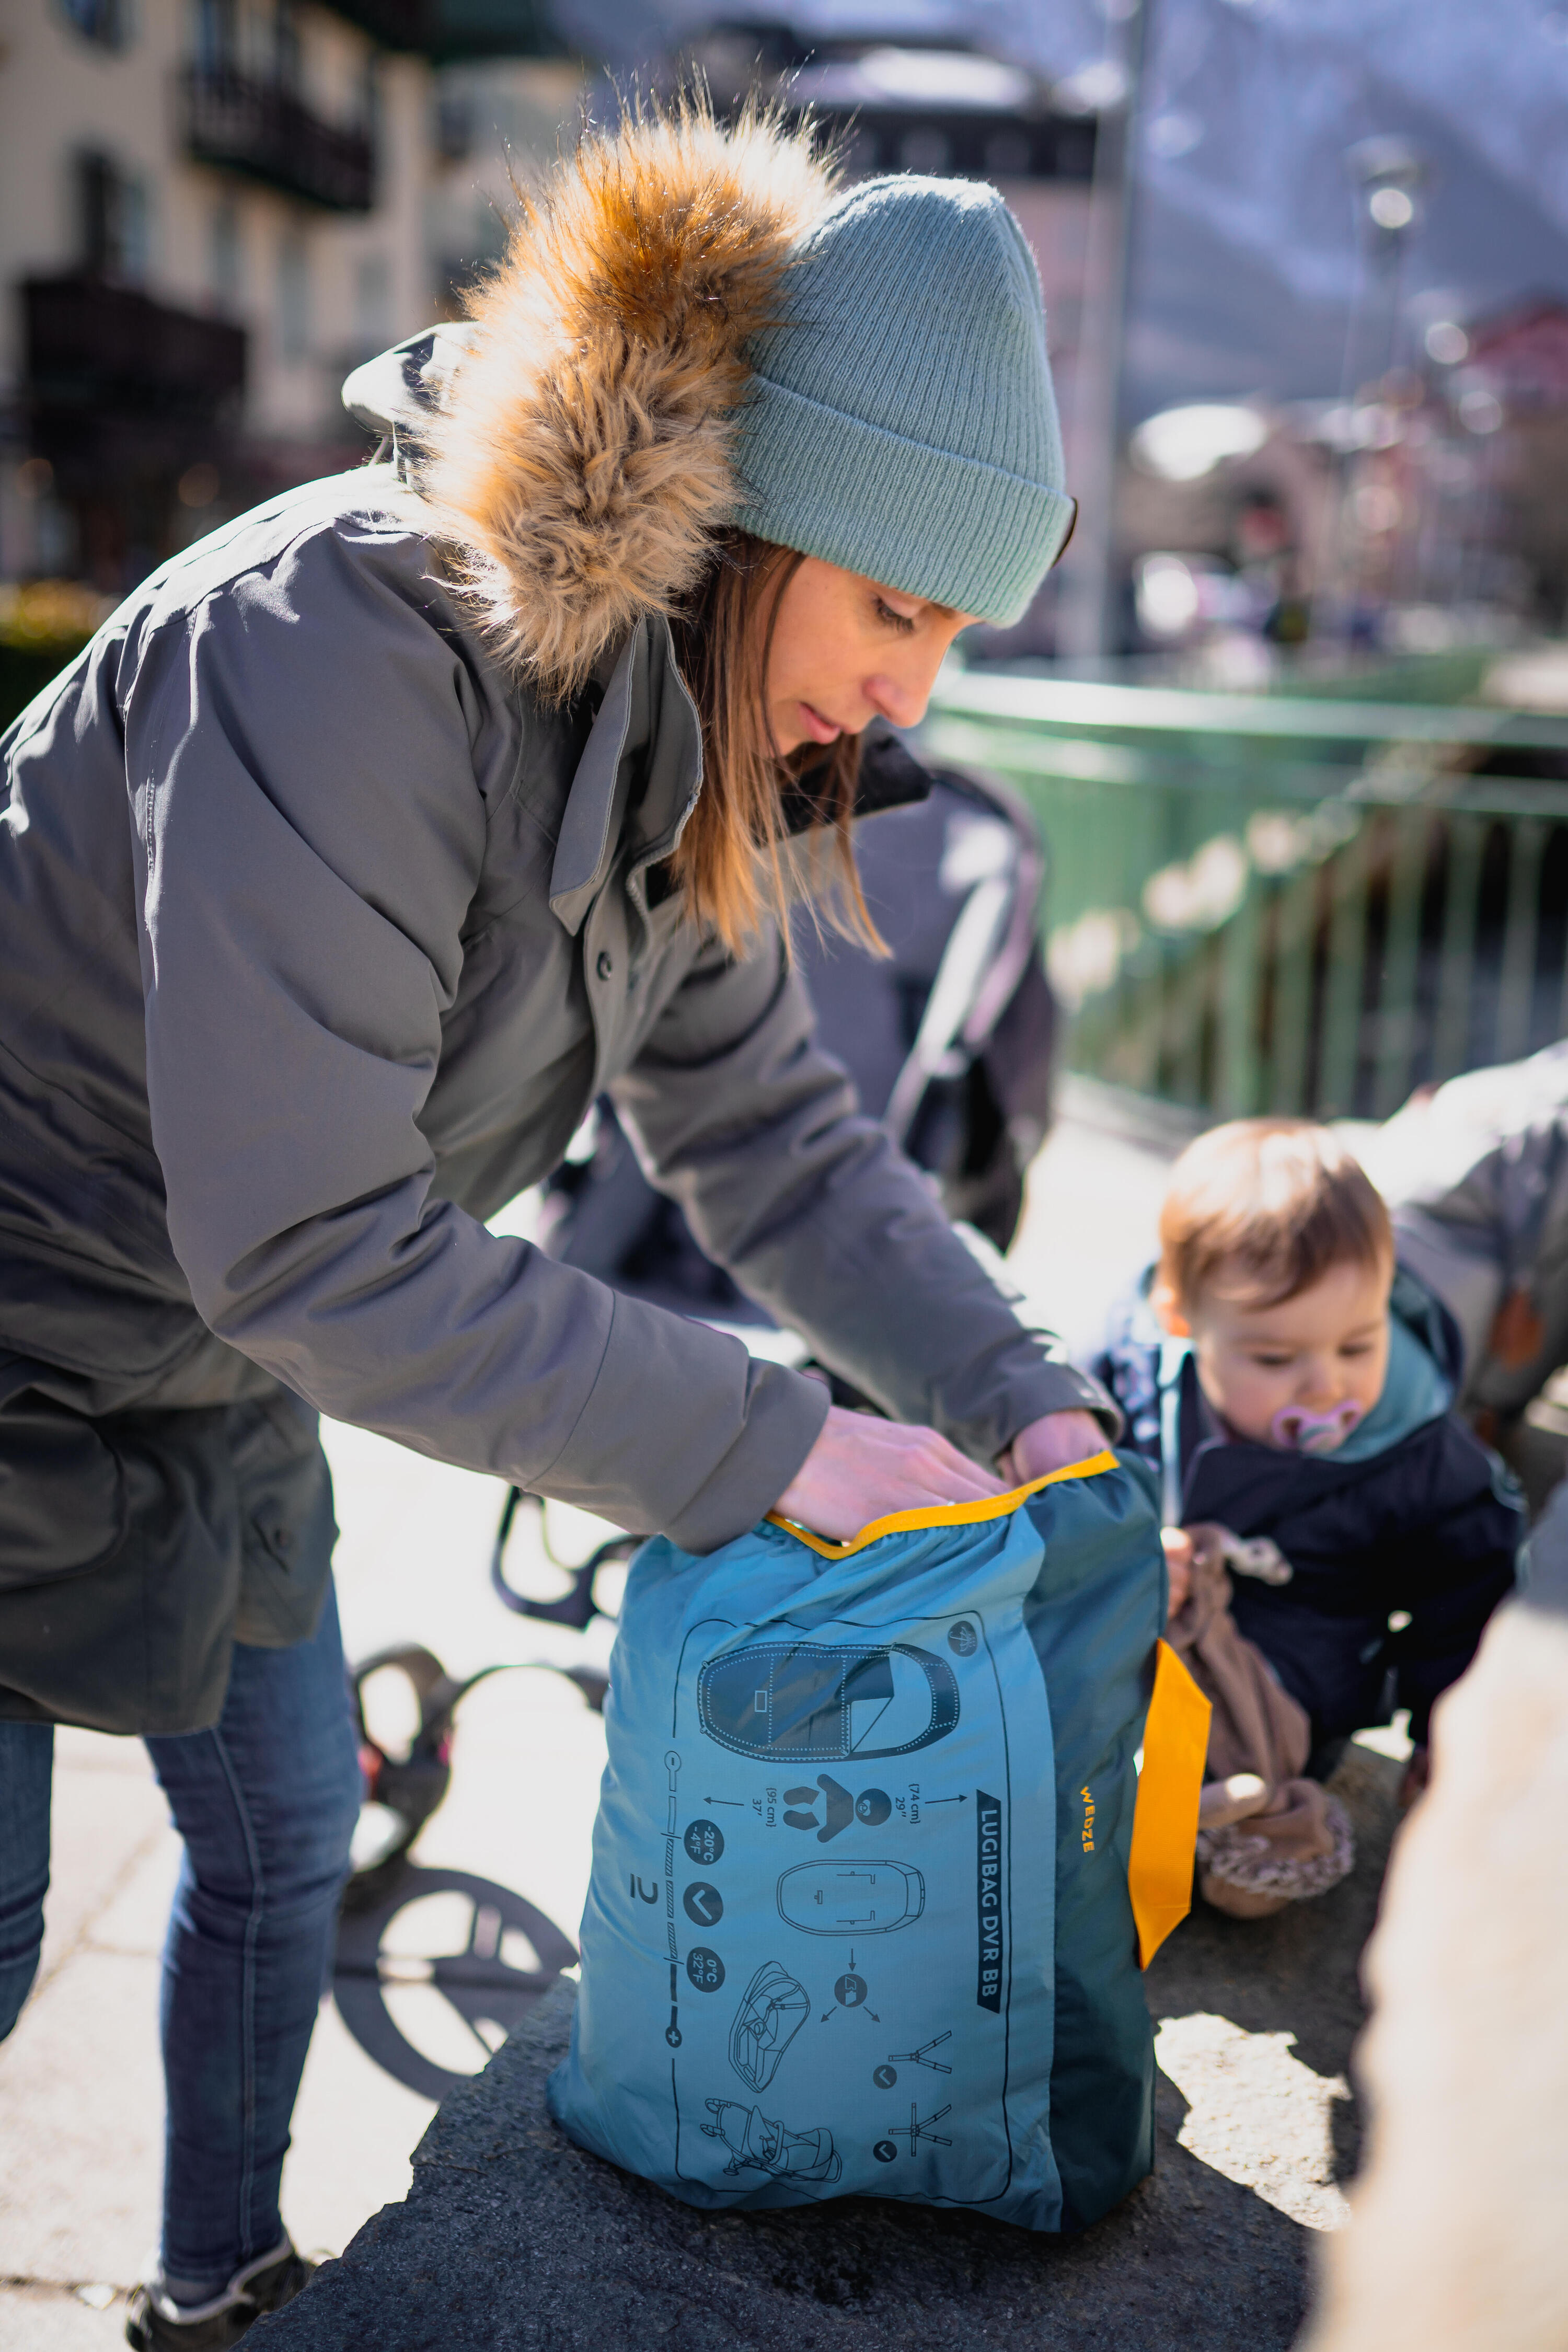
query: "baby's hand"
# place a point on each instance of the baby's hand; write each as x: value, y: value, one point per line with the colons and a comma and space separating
x: 1178, y: 1546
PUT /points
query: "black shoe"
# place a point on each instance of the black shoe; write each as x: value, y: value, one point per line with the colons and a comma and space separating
x: 156, y: 2323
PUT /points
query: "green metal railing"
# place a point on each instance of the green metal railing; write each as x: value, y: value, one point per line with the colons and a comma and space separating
x: 1284, y: 903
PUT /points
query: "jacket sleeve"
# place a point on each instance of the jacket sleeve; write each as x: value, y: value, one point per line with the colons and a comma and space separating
x: 310, y: 835
x: 1126, y: 1364
x: 740, y: 1116
x: 1452, y: 1567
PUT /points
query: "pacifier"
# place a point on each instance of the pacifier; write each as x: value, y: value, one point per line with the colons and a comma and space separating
x: 1302, y: 1431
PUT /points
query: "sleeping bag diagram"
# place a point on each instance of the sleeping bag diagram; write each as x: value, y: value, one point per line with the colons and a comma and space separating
x: 772, y: 2012
x: 860, y: 1915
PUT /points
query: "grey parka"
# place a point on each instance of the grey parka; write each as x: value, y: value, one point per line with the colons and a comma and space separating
x: 319, y: 933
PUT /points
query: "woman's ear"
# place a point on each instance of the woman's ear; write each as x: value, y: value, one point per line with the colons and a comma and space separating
x: 1168, y: 1308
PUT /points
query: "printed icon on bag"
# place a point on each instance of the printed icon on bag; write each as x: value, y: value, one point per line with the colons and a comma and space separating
x: 827, y: 1701
x: 704, y: 1904
x: 961, y: 1639
x: 864, y: 1898
x: 918, y: 2129
x: 704, y: 1844
x: 772, y: 2012
x: 872, y: 1806
x: 704, y: 1969
x: 920, y: 2057
x: 753, y: 2139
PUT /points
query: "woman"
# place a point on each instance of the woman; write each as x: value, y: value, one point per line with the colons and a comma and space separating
x: 365, y: 844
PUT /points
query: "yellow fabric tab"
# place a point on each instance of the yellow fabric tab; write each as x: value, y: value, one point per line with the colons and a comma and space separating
x: 1165, y: 1818
x: 945, y: 1515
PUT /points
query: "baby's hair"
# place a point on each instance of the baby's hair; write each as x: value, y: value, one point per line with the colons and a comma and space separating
x: 1279, y: 1201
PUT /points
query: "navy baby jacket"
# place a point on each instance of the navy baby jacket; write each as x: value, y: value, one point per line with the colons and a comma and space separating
x: 1414, y: 1515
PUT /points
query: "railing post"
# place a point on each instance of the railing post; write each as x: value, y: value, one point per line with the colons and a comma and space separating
x: 1295, y: 937
x: 1516, y: 977
x: 1401, y: 957
x: 1339, y: 1060
x: 1238, y: 1009
x: 1461, y: 903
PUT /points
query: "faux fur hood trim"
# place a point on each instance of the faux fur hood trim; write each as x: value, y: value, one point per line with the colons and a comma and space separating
x: 581, y: 459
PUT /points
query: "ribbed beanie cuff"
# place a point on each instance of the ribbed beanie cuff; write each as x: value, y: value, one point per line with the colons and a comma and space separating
x: 925, y: 520
x: 901, y: 420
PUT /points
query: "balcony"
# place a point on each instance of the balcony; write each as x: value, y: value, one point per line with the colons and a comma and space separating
x: 393, y: 24
x: 107, y: 349
x: 261, y: 129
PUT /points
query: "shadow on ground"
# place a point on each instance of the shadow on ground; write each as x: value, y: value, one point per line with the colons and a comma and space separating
x: 1298, y: 1973
x: 513, y: 2238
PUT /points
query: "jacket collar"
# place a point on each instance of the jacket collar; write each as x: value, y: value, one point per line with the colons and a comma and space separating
x: 639, y: 776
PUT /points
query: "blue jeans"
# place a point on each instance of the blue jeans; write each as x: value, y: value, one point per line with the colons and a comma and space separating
x: 266, y: 1802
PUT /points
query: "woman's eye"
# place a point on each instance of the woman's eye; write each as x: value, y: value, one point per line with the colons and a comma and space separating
x: 899, y: 621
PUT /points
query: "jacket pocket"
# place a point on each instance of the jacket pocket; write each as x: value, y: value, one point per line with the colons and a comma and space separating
x: 118, y: 1567
x: 287, y: 1529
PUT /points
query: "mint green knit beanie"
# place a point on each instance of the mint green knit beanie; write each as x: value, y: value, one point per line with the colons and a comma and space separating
x: 901, y: 421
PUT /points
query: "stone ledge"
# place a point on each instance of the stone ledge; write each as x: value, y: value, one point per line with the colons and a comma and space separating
x: 512, y: 2240
x: 512, y: 2237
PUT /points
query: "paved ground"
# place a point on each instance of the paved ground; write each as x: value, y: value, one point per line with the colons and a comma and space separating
x: 1258, y: 2124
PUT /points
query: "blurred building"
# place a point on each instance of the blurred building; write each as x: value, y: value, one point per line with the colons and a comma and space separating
x: 499, y: 123
x: 1426, y: 514
x: 209, y: 211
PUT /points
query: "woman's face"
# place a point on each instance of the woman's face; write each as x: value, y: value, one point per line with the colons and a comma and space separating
x: 846, y: 651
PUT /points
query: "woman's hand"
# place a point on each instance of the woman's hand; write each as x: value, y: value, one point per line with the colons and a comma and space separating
x: 862, y: 1469
x: 1050, y: 1443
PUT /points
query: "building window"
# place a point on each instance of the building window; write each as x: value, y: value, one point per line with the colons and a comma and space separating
x: 373, y: 302
x: 454, y: 125
x: 217, y: 37
x: 293, y: 296
x: 288, y: 54
x: 925, y: 149
x: 226, y: 255
x: 112, y: 220
x: 1008, y: 155
x: 106, y: 23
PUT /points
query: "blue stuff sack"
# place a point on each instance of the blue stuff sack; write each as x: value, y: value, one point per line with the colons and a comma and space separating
x: 860, y: 1919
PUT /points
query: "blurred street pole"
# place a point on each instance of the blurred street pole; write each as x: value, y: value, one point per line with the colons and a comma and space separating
x: 1086, y: 627
x: 1389, y: 175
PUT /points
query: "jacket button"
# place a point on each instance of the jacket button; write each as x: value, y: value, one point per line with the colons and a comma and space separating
x: 605, y: 965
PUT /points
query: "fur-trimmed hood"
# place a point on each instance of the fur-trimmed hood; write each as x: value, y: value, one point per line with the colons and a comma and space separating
x: 577, y: 437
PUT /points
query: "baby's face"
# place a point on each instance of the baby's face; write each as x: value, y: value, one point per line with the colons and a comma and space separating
x: 1274, y: 1372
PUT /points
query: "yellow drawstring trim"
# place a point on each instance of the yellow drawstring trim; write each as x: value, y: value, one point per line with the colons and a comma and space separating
x: 944, y: 1515
x: 1165, y: 1817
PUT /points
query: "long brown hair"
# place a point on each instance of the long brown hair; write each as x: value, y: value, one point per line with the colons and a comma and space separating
x: 731, y: 861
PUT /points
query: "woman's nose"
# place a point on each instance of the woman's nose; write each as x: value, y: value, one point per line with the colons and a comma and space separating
x: 901, y: 695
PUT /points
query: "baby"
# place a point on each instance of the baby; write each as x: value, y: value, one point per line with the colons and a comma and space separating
x: 1292, y: 1387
